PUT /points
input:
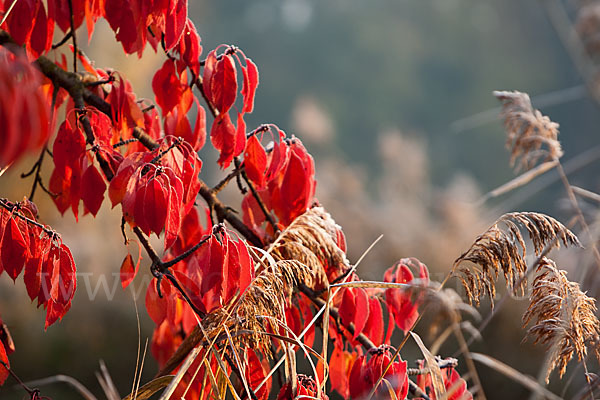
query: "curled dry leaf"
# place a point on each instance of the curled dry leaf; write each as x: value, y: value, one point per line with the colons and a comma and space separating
x: 503, y: 250
x: 564, y: 318
x: 531, y: 136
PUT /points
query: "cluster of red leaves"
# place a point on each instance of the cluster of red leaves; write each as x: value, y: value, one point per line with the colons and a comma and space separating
x: 306, y: 387
x: 456, y: 387
x: 48, y: 264
x: 214, y: 275
x: 220, y: 86
x: 402, y: 302
x: 175, y: 98
x: 284, y: 176
x: 134, y: 22
x: 157, y: 188
x: 24, y: 113
x: 30, y: 24
x: 75, y: 178
x: 365, y: 374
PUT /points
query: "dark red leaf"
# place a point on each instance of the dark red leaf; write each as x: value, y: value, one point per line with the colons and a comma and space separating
x: 92, y: 189
x: 21, y: 19
x: 41, y: 35
x: 62, y: 13
x: 14, y: 251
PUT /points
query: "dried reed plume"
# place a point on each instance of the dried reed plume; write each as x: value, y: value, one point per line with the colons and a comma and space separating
x: 261, y: 305
x: 563, y: 317
x: 504, y: 250
x: 312, y: 240
x: 531, y: 135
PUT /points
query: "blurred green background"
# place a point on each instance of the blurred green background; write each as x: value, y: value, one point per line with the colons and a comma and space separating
x: 394, y: 100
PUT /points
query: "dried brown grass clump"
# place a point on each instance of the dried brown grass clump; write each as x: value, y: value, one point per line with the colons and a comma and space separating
x: 564, y: 317
x: 259, y: 308
x: 531, y: 136
x: 312, y: 240
x: 503, y: 250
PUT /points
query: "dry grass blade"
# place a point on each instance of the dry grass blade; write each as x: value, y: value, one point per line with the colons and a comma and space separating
x: 564, y: 318
x: 515, y: 375
x: 531, y: 136
x: 150, y: 388
x: 435, y: 372
x: 502, y: 249
x: 74, y: 383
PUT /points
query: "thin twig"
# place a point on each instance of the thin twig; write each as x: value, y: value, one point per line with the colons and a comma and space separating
x: 256, y: 196
x: 63, y: 40
x: 73, y: 35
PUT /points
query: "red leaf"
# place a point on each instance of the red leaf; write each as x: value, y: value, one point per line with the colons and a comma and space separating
x: 222, y: 136
x: 64, y: 281
x: 92, y: 189
x: 198, y: 138
x: 361, y: 312
x: 374, y: 326
x: 255, y: 161
x: 14, y: 250
x: 340, y: 367
x: 68, y: 148
x: 155, y: 206
x: 21, y: 19
x: 189, y: 48
x: 220, y: 81
x: 41, y: 35
x: 62, y: 13
x: 54, y: 312
x: 175, y: 23
x: 154, y: 304
x: 122, y: 21
x: 256, y: 373
x: 32, y: 276
x: 240, y: 136
x: 6, y: 340
x: 3, y: 370
x: 128, y: 270
x: 174, y: 212
x: 166, y: 86
x: 250, y: 83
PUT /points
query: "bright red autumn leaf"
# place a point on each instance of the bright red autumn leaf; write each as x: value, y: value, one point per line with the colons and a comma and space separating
x: 166, y: 86
x: 250, y: 83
